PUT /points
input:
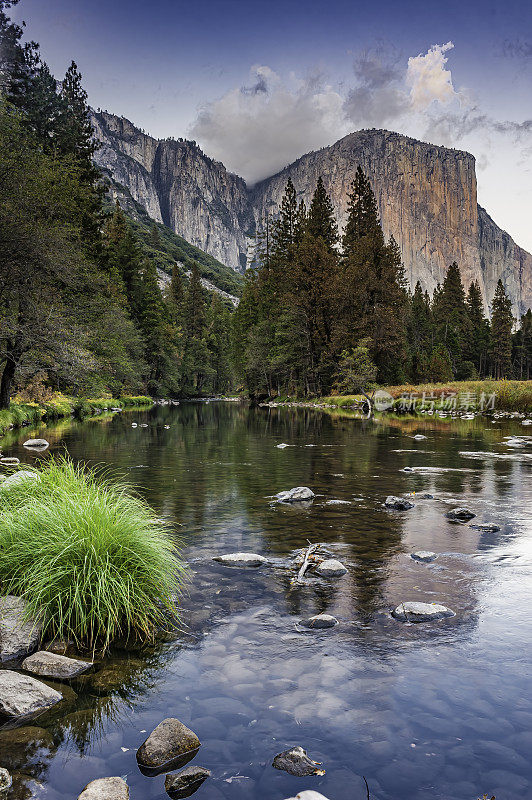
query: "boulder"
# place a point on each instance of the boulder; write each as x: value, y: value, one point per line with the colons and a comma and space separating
x: 296, y: 762
x: 487, y: 527
x: 171, y: 741
x: 22, y: 696
x: 460, y: 514
x: 421, y: 612
x: 282, y: 446
x: 5, y: 780
x: 241, y: 559
x: 331, y: 568
x: 186, y: 781
x: 17, y: 478
x: 37, y: 444
x: 418, y: 437
x: 338, y: 503
x: 320, y: 621
x: 53, y: 665
x: 9, y: 461
x: 424, y: 555
x: 398, y: 503
x: 19, y: 633
x: 105, y: 789
x: 296, y: 495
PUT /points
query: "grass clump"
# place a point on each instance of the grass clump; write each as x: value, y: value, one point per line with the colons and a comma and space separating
x: 88, y: 553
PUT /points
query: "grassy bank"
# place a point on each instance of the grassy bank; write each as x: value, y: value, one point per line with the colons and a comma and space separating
x: 60, y: 406
x: 88, y: 554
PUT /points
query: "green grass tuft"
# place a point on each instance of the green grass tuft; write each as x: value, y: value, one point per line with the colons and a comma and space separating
x: 89, y: 553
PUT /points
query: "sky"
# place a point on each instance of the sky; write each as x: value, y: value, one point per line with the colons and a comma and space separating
x: 257, y: 84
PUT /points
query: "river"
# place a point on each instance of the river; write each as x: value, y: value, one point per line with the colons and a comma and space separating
x: 438, y: 710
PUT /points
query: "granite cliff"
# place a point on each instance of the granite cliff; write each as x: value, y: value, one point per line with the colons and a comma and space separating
x: 427, y: 197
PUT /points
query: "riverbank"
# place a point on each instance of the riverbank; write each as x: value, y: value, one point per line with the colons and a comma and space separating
x: 60, y: 406
x: 452, y: 397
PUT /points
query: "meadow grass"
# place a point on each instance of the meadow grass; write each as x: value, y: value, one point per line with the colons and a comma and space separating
x: 87, y: 553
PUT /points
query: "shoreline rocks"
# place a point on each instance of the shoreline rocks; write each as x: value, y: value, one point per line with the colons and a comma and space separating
x: 398, y: 503
x: 421, y: 612
x: 53, y: 665
x: 19, y: 634
x: 24, y: 696
x: 170, y: 742
x: 241, y: 559
x: 295, y: 495
x: 105, y: 789
x: 296, y: 762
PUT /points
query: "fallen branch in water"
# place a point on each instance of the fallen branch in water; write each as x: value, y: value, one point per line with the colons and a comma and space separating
x: 306, y: 561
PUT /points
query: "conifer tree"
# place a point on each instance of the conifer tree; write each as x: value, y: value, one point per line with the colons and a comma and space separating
x: 501, y: 333
x: 450, y: 316
x: 478, y: 332
x: 522, y: 347
x: 419, y: 333
x: 320, y: 222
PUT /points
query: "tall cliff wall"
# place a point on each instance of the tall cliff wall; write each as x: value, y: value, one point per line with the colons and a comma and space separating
x: 427, y: 198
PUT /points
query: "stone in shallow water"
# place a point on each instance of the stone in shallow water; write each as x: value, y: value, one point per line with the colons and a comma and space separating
x: 105, y: 789
x: 296, y: 762
x: 421, y: 612
x: 331, y: 568
x: 19, y: 634
x: 185, y: 783
x: 308, y: 794
x: 52, y: 665
x: 37, y: 444
x: 21, y: 695
x: 424, y: 555
x: 241, y: 559
x: 5, y: 779
x: 398, y: 503
x: 29, y: 748
x: 295, y: 495
x: 282, y: 445
x: 10, y: 461
x: 487, y: 527
x: 169, y: 742
x: 418, y: 437
x: 338, y: 503
x: 460, y: 514
x: 320, y: 621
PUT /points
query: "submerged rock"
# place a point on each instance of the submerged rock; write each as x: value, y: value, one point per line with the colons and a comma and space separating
x: 5, y: 780
x: 185, y: 783
x: 105, y: 789
x: 421, y: 496
x: 19, y: 633
x: 460, y: 514
x: 331, y: 568
x: 52, y: 665
x: 17, y: 478
x: 296, y: 762
x: 398, y: 503
x: 171, y: 741
x: 241, y: 559
x: 37, y: 444
x: 487, y: 527
x: 338, y: 503
x: 424, y: 555
x: 421, y: 612
x: 295, y: 495
x: 320, y: 621
x: 26, y: 748
x: 22, y: 696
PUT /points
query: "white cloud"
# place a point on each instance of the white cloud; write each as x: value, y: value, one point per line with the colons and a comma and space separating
x: 428, y: 79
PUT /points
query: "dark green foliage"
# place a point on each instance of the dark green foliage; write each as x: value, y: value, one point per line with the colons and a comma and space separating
x: 501, y: 333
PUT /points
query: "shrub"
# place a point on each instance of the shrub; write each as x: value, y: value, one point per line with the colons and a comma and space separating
x: 89, y: 553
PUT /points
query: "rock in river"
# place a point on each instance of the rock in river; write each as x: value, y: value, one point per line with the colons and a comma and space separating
x: 171, y: 741
x: 295, y: 495
x: 105, y: 789
x: 185, y: 783
x: 421, y: 612
x: 308, y: 794
x: 22, y: 696
x: 296, y: 762
x: 460, y: 514
x: 52, y: 665
x: 424, y: 555
x: 37, y: 444
x: 331, y: 568
x: 241, y: 559
x: 19, y: 634
x: 398, y: 503
x: 487, y: 527
x: 320, y: 621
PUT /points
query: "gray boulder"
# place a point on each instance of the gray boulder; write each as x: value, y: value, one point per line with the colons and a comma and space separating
x: 52, y: 665
x: 487, y: 527
x: 170, y: 741
x: 241, y: 559
x: 424, y: 555
x: 296, y: 495
x: 19, y: 633
x: 296, y: 762
x: 105, y: 789
x: 22, y: 696
x: 188, y: 780
x: 398, y: 503
x: 9, y: 461
x: 460, y: 514
x: 418, y: 437
x: 5, y: 780
x: 320, y: 621
x: 37, y: 444
x: 17, y: 478
x: 421, y: 612
x: 331, y: 568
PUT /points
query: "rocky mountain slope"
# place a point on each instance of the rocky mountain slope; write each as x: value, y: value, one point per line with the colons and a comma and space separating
x: 427, y: 198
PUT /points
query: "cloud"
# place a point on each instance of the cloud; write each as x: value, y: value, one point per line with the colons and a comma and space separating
x: 256, y: 130
x: 428, y: 79
x: 379, y: 96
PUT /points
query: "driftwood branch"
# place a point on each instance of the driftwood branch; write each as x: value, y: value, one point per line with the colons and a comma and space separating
x: 306, y: 562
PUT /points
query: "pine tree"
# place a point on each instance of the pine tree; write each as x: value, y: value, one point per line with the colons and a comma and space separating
x: 501, y: 333
x: 320, y: 223
x: 522, y: 346
x: 450, y: 316
x: 419, y: 333
x: 478, y: 333
x: 440, y: 367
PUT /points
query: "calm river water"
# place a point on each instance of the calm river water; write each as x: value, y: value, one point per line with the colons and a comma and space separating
x: 439, y: 711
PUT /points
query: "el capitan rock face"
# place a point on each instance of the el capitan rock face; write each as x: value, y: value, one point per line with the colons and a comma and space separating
x: 427, y: 197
